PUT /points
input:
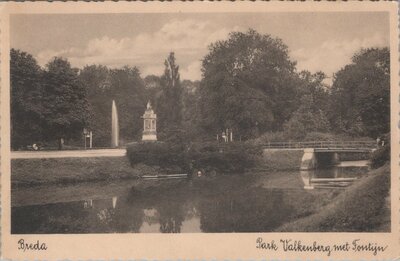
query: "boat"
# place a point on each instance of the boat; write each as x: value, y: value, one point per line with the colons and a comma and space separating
x: 165, y: 176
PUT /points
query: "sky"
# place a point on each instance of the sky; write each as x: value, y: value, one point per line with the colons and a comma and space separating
x: 316, y: 41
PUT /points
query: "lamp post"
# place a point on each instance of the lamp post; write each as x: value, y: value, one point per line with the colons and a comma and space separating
x: 85, y: 133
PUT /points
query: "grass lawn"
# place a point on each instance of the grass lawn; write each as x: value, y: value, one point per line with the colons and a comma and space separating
x: 28, y: 172
x: 361, y: 207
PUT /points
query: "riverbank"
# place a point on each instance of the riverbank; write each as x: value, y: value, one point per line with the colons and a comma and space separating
x: 281, y: 159
x: 361, y: 207
x: 32, y: 172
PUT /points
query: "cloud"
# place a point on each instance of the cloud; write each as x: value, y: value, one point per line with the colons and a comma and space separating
x: 187, y: 38
x: 192, y: 71
x: 332, y: 55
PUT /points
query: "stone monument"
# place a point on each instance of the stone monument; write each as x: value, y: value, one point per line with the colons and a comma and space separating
x: 149, y: 124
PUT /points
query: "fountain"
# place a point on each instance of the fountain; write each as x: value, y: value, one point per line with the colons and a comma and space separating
x: 114, y: 126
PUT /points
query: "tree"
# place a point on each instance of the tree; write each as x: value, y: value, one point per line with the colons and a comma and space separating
x: 65, y: 106
x: 169, y: 104
x: 26, y: 99
x: 360, y: 102
x: 97, y: 82
x: 127, y: 88
x: 128, y: 91
x: 190, y: 109
x: 248, y: 85
x: 308, y: 118
x: 312, y: 84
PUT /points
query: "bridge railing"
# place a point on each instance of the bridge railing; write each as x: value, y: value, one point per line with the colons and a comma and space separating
x: 321, y: 144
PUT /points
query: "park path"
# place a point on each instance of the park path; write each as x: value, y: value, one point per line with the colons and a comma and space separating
x: 68, y: 154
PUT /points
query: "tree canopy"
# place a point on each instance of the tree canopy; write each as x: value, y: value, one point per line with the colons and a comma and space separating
x: 126, y: 87
x: 27, y: 111
x: 169, y: 103
x: 66, y: 108
x: 248, y: 84
x: 360, y: 98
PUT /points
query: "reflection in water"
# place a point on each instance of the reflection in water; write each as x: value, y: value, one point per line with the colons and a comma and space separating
x: 224, y: 204
x: 260, y: 210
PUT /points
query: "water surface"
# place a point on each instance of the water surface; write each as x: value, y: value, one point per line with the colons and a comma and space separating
x: 239, y: 203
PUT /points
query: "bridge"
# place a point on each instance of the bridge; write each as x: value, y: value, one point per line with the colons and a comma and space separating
x: 317, y: 153
x: 322, y: 146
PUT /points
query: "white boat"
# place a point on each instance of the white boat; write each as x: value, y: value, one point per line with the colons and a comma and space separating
x: 165, y: 176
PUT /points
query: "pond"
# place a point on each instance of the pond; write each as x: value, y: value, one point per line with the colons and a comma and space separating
x: 259, y: 202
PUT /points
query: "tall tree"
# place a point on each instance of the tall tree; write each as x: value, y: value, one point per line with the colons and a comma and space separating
x: 26, y: 99
x: 360, y: 103
x: 97, y: 82
x: 249, y: 84
x: 169, y: 104
x: 65, y: 105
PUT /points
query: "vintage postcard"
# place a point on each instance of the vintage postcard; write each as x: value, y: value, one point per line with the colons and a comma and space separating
x: 199, y: 130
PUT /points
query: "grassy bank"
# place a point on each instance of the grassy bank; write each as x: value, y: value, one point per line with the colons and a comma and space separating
x: 360, y: 207
x: 276, y: 160
x: 29, y: 172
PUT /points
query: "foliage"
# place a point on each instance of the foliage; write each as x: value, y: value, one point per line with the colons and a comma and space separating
x: 360, y: 100
x: 169, y: 103
x: 313, y: 87
x: 268, y: 137
x: 46, y: 104
x: 306, y: 120
x: 278, y: 160
x: 216, y: 157
x: 190, y: 111
x: 26, y: 96
x: 130, y: 97
x: 223, y: 157
x: 126, y: 87
x: 66, y: 108
x: 382, y: 155
x: 97, y: 82
x: 162, y: 154
x: 248, y: 85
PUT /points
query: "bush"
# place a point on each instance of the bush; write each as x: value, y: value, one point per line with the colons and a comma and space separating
x: 209, y: 157
x: 321, y: 136
x: 381, y: 155
x: 268, y: 137
x: 162, y: 154
x: 223, y: 157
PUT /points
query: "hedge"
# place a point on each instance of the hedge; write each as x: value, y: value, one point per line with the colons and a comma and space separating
x: 208, y: 157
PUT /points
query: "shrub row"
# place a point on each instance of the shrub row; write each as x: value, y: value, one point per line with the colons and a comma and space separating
x: 209, y: 157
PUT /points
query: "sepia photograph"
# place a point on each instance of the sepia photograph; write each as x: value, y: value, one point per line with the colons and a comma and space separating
x: 174, y: 123
x: 201, y: 122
